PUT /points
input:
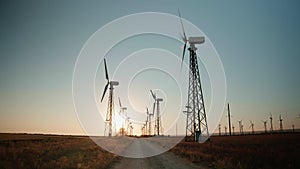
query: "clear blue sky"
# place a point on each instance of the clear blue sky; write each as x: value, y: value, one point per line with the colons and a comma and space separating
x: 258, y: 43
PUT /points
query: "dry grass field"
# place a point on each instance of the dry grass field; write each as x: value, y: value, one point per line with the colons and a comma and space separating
x: 221, y: 152
x: 245, y: 152
x: 49, y: 151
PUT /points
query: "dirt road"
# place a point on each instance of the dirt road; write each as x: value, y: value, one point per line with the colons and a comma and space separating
x: 163, y: 161
x: 166, y: 160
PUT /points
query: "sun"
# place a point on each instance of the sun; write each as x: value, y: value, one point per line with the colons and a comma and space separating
x: 120, y: 121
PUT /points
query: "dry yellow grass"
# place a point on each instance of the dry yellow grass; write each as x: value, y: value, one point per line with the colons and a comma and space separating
x: 46, y: 151
x: 245, y: 152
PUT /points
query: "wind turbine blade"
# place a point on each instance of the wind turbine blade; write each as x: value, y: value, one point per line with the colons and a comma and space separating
x: 104, y: 91
x: 153, y: 95
x: 106, y: 73
x: 120, y: 103
x: 182, y: 26
x: 184, y: 48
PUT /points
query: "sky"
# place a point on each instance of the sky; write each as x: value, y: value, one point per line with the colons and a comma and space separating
x: 257, y: 43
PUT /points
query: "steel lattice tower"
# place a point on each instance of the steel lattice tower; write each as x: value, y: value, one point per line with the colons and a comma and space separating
x: 196, y: 124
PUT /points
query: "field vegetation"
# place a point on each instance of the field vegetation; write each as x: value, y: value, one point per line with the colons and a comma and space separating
x: 262, y: 151
x: 49, y: 151
x: 245, y: 152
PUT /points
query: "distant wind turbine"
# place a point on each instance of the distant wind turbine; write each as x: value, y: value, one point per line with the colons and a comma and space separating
x: 265, y: 125
x: 252, y: 126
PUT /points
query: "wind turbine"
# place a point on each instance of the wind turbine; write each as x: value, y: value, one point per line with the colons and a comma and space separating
x: 229, y: 116
x: 110, y: 110
x: 197, y: 122
x: 219, y: 129
x: 122, y: 109
x: 233, y: 129
x: 149, y: 118
x: 225, y: 130
x: 146, y: 125
x: 265, y: 125
x: 188, y: 114
x: 122, y: 114
x: 158, y: 119
x: 128, y: 126
x: 241, y: 126
x: 131, y: 130
x: 271, y: 123
x: 252, y: 126
x: 143, y: 129
x: 280, y: 120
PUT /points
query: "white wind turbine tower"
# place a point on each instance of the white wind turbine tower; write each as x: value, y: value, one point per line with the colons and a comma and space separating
x: 131, y: 130
x: 129, y: 124
x: 149, y: 118
x: 146, y: 124
x: 126, y: 125
x: 143, y: 129
x: 188, y: 121
x: 122, y: 109
x: 110, y: 122
x: 123, y: 115
x: 158, y: 118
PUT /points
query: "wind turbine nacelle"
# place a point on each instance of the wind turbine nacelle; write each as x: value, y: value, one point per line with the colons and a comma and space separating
x: 114, y: 83
x: 159, y: 99
x: 196, y: 40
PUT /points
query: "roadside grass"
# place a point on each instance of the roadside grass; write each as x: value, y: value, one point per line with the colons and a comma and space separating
x: 244, y: 152
x: 44, y: 151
